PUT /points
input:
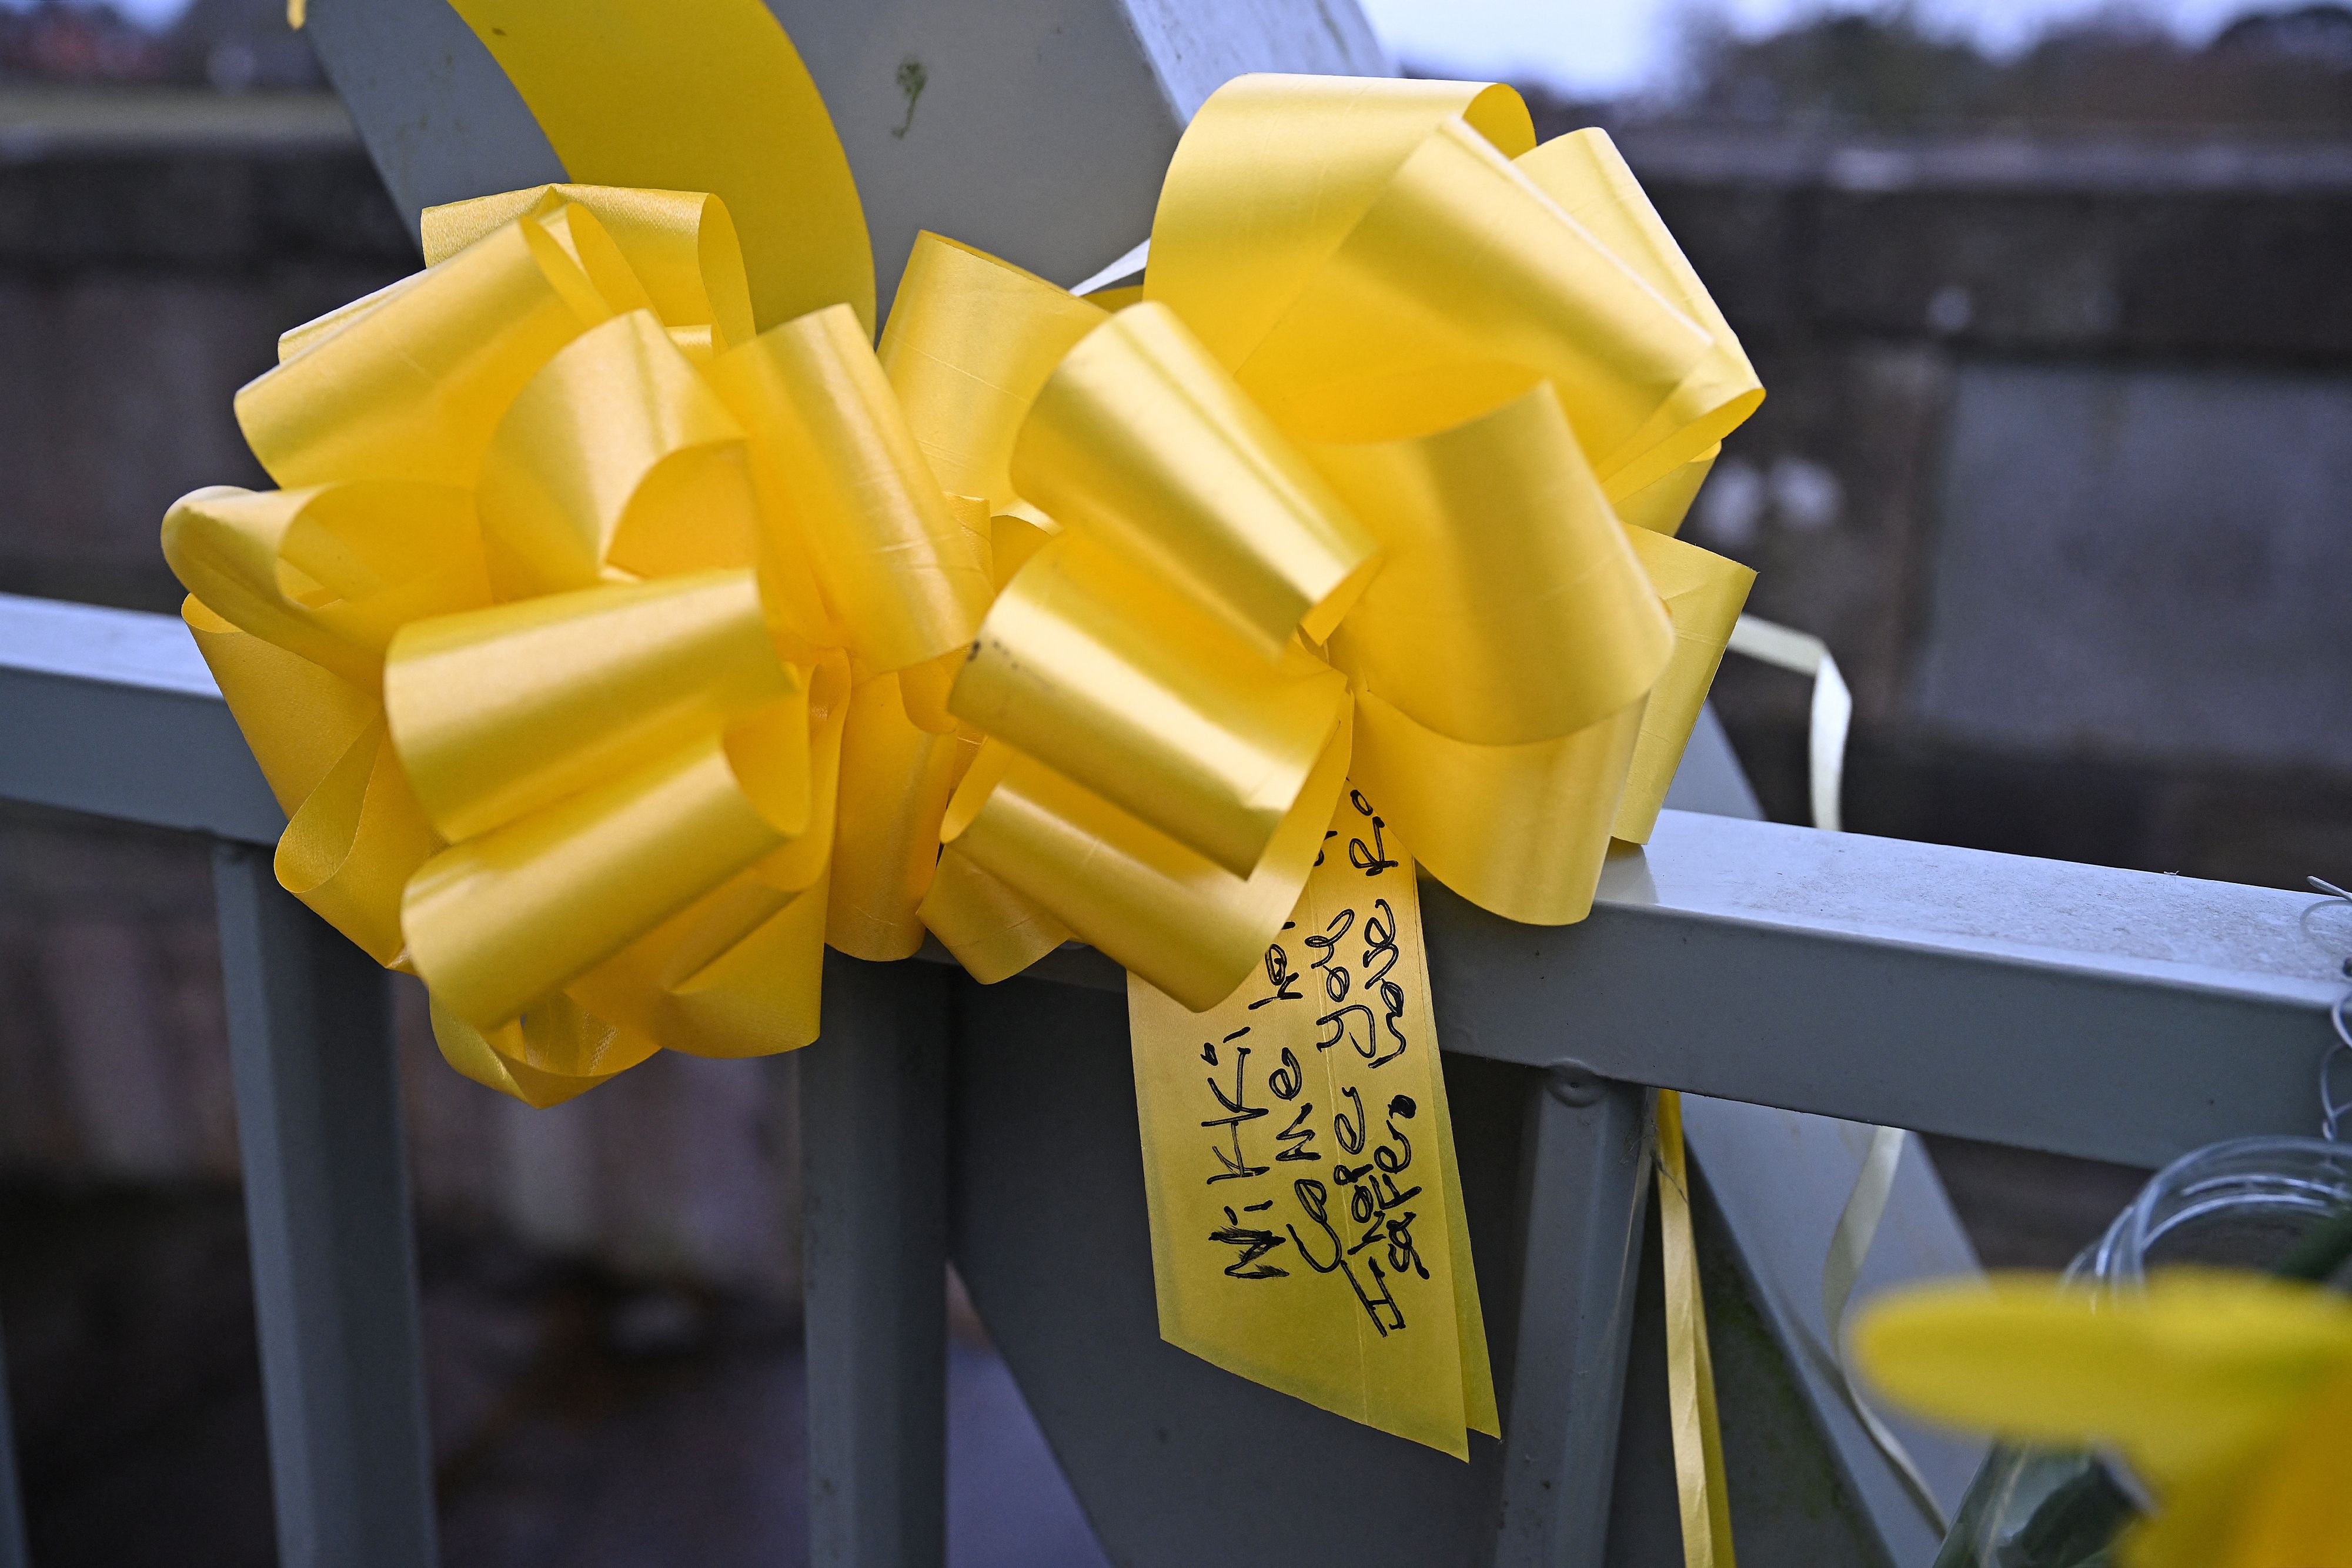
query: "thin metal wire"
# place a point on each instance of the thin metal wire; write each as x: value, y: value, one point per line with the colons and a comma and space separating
x: 2332, y: 1111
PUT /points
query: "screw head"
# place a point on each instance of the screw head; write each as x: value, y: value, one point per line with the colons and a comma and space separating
x: 1571, y: 1083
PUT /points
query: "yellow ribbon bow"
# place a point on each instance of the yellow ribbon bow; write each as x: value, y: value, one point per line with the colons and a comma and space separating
x: 612, y: 655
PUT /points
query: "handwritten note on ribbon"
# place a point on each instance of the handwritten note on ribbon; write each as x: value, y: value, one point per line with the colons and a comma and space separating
x: 1307, y: 1220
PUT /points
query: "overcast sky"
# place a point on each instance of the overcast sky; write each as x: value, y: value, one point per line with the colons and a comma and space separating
x: 1607, y: 47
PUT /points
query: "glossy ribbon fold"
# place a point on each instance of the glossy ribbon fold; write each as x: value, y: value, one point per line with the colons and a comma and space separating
x: 628, y: 629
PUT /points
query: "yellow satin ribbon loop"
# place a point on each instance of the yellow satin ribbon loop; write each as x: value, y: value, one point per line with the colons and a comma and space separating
x: 613, y: 463
x: 1520, y: 829
x: 413, y: 388
x: 488, y: 737
x: 1403, y: 272
x: 969, y: 342
x: 1153, y: 904
x: 1587, y: 176
x: 905, y: 581
x: 299, y: 718
x: 1703, y: 594
x: 676, y: 250
x: 1463, y: 271
x: 1141, y: 440
x: 1092, y: 667
x: 1273, y: 171
x: 558, y: 1029
x: 526, y: 907
x: 993, y: 931
x: 1660, y: 504
x: 896, y: 778
x: 354, y: 833
x: 1504, y: 561
x: 330, y: 572
x: 709, y: 97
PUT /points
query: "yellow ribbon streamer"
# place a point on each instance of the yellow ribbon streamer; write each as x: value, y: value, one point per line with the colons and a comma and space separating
x: 1308, y: 1229
x: 1690, y: 1366
x: 617, y: 94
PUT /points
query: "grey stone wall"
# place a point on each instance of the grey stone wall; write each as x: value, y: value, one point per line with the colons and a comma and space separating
x: 151, y: 252
x: 2057, y: 456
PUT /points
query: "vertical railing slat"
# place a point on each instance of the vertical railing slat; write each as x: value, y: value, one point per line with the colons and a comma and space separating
x: 1584, y: 1186
x: 873, y: 1147
x: 327, y: 1213
x: 14, y: 1552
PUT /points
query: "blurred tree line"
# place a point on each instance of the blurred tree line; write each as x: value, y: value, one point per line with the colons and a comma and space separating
x: 234, y: 46
x: 2285, y: 71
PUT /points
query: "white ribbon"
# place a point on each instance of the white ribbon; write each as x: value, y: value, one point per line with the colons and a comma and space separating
x: 1857, y: 1227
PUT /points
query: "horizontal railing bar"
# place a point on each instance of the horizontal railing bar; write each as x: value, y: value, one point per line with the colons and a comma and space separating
x: 2111, y: 1014
x: 113, y: 713
x: 2080, y: 1010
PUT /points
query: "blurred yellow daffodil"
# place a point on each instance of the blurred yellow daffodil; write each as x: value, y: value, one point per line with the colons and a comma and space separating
x: 2228, y: 1395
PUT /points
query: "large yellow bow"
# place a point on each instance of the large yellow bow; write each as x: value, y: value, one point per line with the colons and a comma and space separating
x: 612, y: 656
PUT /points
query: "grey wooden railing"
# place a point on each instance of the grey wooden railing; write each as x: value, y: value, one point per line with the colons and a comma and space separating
x: 2086, y: 1011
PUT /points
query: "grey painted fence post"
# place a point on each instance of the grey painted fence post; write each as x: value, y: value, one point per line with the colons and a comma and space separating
x: 12, y: 1508
x: 874, y: 1146
x: 1584, y: 1186
x: 327, y: 1214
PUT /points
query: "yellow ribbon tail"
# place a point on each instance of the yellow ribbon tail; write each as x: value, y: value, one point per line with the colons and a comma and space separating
x: 1699, y: 1485
x: 611, y: 98
x: 1299, y: 1168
